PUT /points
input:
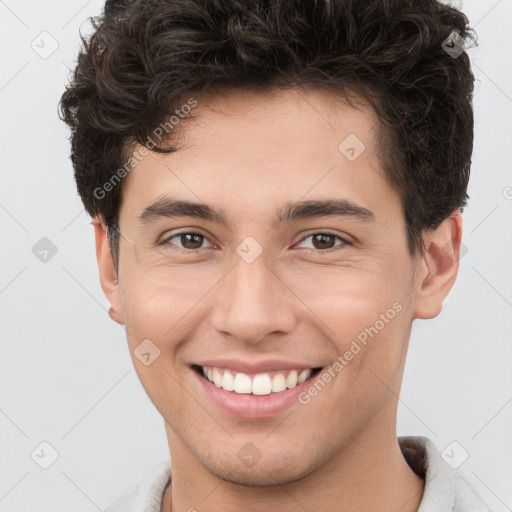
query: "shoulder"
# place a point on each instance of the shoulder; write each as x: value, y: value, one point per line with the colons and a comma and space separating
x: 446, y: 488
x: 146, y: 496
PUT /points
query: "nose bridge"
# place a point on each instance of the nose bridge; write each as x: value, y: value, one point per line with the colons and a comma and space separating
x: 251, y: 302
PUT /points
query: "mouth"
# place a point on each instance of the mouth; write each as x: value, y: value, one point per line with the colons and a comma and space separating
x: 258, y: 384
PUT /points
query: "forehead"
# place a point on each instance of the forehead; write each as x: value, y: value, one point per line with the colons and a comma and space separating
x: 251, y: 149
x: 290, y: 122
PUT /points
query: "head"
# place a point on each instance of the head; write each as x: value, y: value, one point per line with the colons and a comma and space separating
x: 327, y: 146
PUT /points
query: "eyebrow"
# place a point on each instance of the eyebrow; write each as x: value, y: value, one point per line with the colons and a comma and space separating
x: 171, y: 208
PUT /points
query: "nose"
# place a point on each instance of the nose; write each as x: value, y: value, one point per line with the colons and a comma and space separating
x: 253, y: 302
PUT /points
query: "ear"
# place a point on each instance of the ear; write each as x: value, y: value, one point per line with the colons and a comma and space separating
x: 438, y: 267
x: 108, y: 276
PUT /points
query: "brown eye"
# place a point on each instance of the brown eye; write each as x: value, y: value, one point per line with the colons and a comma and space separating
x: 324, y: 241
x: 186, y: 240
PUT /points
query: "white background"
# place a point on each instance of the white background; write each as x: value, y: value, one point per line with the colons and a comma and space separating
x: 65, y: 372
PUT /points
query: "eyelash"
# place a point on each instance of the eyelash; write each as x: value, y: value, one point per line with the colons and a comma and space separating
x: 166, y: 242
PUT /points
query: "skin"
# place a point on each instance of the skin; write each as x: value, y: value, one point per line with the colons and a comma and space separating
x: 247, y: 154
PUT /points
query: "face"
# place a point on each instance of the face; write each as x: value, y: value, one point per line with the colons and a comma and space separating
x: 294, y: 267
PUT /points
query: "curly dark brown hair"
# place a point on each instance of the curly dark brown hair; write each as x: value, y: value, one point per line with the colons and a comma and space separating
x: 145, y: 56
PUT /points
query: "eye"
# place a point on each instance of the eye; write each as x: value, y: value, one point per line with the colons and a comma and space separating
x: 189, y: 240
x: 321, y: 242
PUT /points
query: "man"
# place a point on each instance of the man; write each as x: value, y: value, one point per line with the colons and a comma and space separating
x: 277, y: 189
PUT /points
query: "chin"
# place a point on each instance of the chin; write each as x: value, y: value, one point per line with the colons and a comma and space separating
x: 263, y: 473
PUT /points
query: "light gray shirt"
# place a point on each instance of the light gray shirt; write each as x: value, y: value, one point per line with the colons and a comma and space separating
x: 446, y: 489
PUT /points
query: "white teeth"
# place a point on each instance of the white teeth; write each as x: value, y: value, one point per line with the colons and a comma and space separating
x: 303, y: 376
x: 291, y: 380
x: 242, y: 383
x: 260, y: 384
x: 278, y: 383
x: 228, y: 382
x: 217, y: 378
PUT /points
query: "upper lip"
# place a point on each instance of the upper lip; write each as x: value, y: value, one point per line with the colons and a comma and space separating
x: 238, y: 365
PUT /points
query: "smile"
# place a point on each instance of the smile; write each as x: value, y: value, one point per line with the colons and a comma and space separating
x: 256, y: 384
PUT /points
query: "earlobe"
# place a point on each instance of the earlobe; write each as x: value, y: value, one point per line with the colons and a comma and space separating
x: 438, y: 267
x: 107, y: 271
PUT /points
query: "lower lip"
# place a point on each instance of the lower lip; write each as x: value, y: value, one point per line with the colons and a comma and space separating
x: 252, y: 406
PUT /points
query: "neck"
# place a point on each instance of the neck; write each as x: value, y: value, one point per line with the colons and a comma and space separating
x: 369, y: 474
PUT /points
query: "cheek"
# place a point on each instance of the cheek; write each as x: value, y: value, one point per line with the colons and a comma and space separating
x: 366, y: 317
x: 374, y: 353
x: 367, y: 372
x: 161, y: 303
x: 347, y: 299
